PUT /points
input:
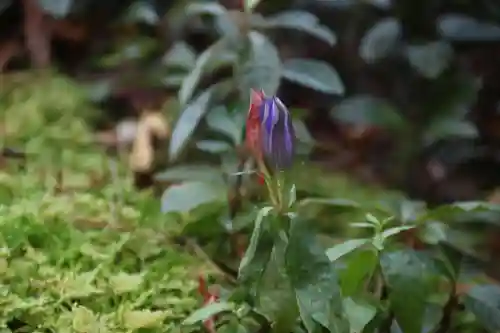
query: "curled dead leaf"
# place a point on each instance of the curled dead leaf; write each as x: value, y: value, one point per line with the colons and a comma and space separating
x: 151, y: 125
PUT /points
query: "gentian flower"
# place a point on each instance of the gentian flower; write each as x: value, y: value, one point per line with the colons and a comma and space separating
x: 270, y: 134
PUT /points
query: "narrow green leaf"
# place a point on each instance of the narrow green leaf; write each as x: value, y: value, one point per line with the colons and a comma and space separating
x: 187, y: 123
x: 396, y: 230
x: 207, y: 312
x: 317, y: 75
x: 339, y: 250
x: 218, y: 54
x: 246, y: 262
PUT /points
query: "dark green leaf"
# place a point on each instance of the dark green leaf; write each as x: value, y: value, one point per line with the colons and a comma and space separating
x: 314, y: 280
x: 396, y: 230
x: 180, y: 55
x: 56, y: 8
x: 448, y: 128
x: 317, y: 75
x: 263, y: 68
x: 368, y: 111
x: 430, y: 59
x: 410, y: 280
x: 461, y: 28
x: 187, y: 123
x: 484, y: 302
x: 189, y: 195
x: 359, y: 313
x: 381, y: 40
x: 303, y: 21
x: 207, y: 312
x: 452, y: 211
x: 360, y: 267
x: 4, y: 4
x: 220, y: 120
x: 276, y: 299
x: 143, y: 11
x: 301, y: 132
x: 214, y: 146
x: 217, y: 55
x: 232, y: 327
x: 203, y: 173
x: 344, y: 248
x: 212, y: 8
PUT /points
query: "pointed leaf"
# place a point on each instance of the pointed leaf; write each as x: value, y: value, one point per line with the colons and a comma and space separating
x: 189, y: 195
x: 217, y: 55
x: 381, y: 40
x: 180, y: 55
x: 187, y: 123
x: 263, y: 68
x: 302, y: 21
x: 214, y: 146
x: 359, y: 313
x: 207, y: 312
x: 462, y: 28
x: 430, y: 59
x: 484, y: 302
x: 257, y: 255
x: 203, y: 173
x: 396, y: 230
x: 410, y: 278
x: 344, y: 248
x: 317, y: 75
x: 368, y: 111
x: 220, y: 120
x: 447, y: 128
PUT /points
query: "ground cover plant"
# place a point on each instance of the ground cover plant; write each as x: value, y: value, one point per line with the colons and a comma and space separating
x: 82, y: 250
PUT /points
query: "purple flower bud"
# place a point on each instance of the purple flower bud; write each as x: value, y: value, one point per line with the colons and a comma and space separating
x: 278, y: 134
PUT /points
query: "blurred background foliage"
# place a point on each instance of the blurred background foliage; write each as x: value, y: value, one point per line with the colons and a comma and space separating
x: 400, y: 93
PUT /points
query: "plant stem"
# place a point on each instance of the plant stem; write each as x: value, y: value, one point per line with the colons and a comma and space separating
x: 450, y: 306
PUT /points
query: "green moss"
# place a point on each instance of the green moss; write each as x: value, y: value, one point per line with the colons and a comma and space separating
x: 91, y: 257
